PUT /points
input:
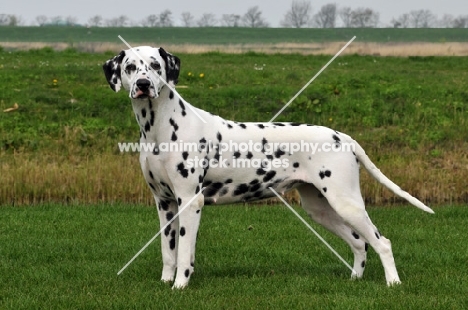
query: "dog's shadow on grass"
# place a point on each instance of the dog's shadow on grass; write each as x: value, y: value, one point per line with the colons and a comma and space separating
x: 272, y: 270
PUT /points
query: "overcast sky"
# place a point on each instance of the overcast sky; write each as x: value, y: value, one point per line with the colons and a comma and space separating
x: 273, y: 10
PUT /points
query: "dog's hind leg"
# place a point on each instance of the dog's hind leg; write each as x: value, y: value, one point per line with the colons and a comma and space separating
x: 344, y: 196
x: 318, y: 208
x: 166, y: 210
x: 355, y: 215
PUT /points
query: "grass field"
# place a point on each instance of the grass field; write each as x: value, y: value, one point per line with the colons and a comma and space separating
x: 224, y: 35
x: 55, y: 257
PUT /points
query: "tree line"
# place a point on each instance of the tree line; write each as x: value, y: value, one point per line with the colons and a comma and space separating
x: 299, y: 15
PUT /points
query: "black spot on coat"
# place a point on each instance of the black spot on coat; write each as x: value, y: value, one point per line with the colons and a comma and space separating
x: 279, y: 153
x: 255, y: 187
x: 213, y: 189
x: 173, y: 124
x: 169, y: 216
x: 241, y: 189
x: 336, y: 138
x: 167, y: 230
x: 152, y: 118
x: 270, y: 174
x: 323, y: 174
x: 172, y: 243
x: 181, y: 169
x: 164, y: 205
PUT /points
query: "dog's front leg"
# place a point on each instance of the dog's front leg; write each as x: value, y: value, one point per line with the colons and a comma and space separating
x: 167, y: 210
x: 189, y: 221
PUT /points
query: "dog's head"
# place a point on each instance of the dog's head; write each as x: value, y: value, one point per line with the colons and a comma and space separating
x: 142, y: 71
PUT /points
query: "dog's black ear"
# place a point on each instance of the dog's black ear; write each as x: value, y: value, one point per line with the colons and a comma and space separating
x: 112, y: 71
x: 172, y: 66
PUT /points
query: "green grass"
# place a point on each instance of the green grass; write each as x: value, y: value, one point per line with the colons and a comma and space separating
x: 424, y: 96
x: 215, y: 35
x: 67, y: 256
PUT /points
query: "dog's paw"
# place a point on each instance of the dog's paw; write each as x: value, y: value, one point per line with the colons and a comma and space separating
x: 356, y: 276
x: 393, y: 283
x: 179, y: 286
x: 168, y: 274
x: 166, y: 280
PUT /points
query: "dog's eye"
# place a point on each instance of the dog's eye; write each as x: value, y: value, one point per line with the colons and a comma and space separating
x: 155, y: 66
x: 130, y: 67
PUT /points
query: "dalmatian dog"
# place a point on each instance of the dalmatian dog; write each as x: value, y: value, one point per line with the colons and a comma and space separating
x: 328, y: 182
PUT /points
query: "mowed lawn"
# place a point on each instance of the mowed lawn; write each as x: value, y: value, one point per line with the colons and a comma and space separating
x: 249, y: 257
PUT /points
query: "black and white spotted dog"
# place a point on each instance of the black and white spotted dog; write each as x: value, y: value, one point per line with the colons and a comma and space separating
x: 328, y: 182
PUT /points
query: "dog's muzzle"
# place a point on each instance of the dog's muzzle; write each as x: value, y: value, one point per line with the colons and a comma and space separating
x: 143, y: 89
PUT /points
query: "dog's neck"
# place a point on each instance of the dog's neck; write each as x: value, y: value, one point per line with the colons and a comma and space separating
x: 151, y: 112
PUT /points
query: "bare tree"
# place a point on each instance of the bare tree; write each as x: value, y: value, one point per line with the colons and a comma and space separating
x: 112, y: 22
x: 364, y: 18
x: 207, y: 20
x: 95, y: 21
x: 71, y: 21
x: 422, y: 19
x: 120, y: 21
x: 56, y: 20
x: 41, y: 20
x: 253, y: 18
x: 165, y: 19
x: 403, y: 21
x: 326, y: 17
x: 16, y: 20
x: 123, y: 20
x: 299, y: 14
x: 446, y: 21
x: 10, y: 20
x: 187, y: 19
x: 460, y: 22
x: 4, y: 19
x: 230, y: 20
x: 345, y: 14
x: 150, y: 21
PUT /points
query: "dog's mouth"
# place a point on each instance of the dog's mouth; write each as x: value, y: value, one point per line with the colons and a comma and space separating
x: 142, y: 95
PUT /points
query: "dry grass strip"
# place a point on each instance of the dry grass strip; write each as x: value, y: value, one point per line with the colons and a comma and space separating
x: 377, y: 49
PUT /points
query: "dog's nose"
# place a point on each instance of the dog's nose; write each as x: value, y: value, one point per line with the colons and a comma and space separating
x: 143, y: 84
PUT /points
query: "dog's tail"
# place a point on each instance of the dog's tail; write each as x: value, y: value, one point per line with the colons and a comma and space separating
x: 382, y: 179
